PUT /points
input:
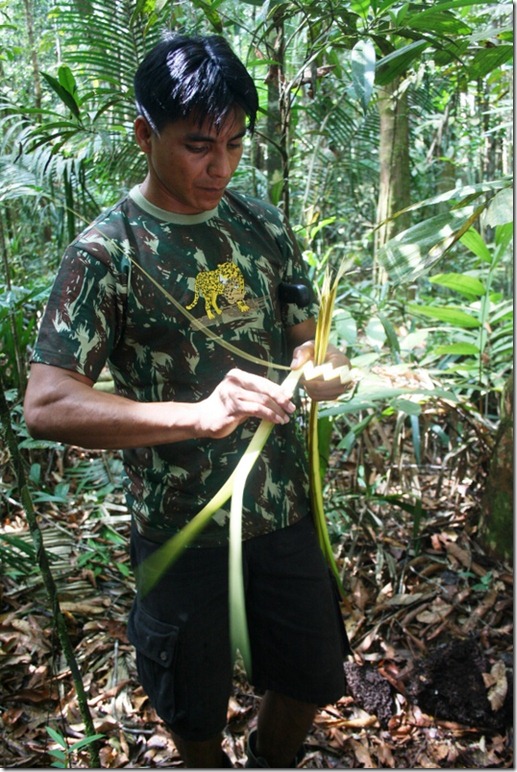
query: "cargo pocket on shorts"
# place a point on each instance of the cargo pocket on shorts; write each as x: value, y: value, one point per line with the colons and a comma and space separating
x: 156, y: 645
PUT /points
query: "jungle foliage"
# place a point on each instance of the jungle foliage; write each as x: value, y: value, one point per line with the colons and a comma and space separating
x: 428, y: 287
x: 385, y: 134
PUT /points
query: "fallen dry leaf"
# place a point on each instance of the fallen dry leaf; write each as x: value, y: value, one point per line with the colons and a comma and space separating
x: 498, y: 686
x: 362, y: 754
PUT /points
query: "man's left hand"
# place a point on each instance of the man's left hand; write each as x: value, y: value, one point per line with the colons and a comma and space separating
x: 320, y: 389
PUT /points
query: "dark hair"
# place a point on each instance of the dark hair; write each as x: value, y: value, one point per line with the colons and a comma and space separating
x: 193, y: 75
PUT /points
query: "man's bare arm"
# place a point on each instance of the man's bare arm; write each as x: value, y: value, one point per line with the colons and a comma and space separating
x: 62, y: 405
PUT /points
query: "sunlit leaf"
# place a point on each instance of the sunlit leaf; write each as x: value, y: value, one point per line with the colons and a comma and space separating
x: 413, y: 252
x: 437, y: 21
x: 375, y: 332
x: 66, y: 97
x: 460, y: 282
x: 500, y: 209
x: 370, y: 395
x: 449, y: 314
x: 361, y: 7
x: 489, y: 59
x: 458, y: 349
x: 363, y: 71
x: 345, y: 326
x: 473, y: 240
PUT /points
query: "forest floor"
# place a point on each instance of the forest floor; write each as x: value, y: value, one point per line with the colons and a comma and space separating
x: 429, y: 615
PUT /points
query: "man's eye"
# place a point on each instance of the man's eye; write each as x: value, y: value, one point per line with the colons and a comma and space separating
x: 234, y: 145
x: 196, y: 148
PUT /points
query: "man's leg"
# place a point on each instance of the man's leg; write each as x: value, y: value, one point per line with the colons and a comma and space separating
x: 181, y: 632
x: 205, y: 754
x: 283, y: 724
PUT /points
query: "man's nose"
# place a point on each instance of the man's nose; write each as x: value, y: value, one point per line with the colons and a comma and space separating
x: 220, y: 165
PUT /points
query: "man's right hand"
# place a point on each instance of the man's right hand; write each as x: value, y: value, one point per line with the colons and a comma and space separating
x: 63, y: 406
x: 239, y: 396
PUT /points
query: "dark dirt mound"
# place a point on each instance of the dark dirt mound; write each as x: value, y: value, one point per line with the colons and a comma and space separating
x: 370, y: 691
x: 453, y: 682
x: 450, y: 683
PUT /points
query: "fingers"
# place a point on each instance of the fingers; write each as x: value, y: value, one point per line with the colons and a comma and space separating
x: 251, y: 395
x: 242, y: 395
x: 320, y: 389
x: 302, y: 354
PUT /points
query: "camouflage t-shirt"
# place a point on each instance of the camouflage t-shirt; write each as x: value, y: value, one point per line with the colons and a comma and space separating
x: 117, y: 300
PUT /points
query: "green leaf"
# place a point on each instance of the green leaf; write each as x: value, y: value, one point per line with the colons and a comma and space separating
x: 473, y: 240
x: 460, y: 282
x: 414, y: 251
x: 66, y: 97
x: 448, y: 314
x: 395, y: 498
x: 448, y: 4
x: 19, y: 544
x: 410, y: 409
x: 368, y: 396
x: 57, y: 737
x: 67, y: 80
x: 360, y: 7
x: 345, y: 326
x: 375, y: 332
x: 92, y: 738
x: 500, y: 210
x: 85, y: 7
x: 489, y: 59
x: 148, y: 7
x: 209, y: 9
x: 398, y: 62
x: 407, y: 406
x: 463, y: 195
x: 35, y: 473
x: 458, y: 349
x: 62, y: 759
x: 357, y: 429
x: 363, y: 71
x: 501, y: 312
x: 391, y: 334
x: 124, y: 570
x: 320, y: 225
x: 438, y: 22
x: 504, y: 235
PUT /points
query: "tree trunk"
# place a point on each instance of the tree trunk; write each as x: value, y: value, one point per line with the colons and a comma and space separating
x: 277, y: 117
x: 496, y: 521
x: 394, y: 182
x: 29, y: 18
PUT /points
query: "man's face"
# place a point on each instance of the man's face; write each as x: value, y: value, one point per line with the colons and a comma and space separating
x: 190, y: 165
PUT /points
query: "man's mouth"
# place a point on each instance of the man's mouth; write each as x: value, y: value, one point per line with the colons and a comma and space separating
x: 214, y: 191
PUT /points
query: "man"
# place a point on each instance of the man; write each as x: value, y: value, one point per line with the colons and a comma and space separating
x: 189, y: 395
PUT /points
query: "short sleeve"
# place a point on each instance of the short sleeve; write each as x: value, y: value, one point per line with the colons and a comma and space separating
x: 80, y: 324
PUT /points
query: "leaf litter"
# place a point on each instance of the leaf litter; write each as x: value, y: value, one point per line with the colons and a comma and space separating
x: 429, y: 616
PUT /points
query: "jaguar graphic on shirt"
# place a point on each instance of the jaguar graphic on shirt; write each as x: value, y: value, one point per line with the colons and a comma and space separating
x: 227, y: 281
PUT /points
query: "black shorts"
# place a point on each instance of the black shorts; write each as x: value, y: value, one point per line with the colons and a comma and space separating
x: 181, y: 628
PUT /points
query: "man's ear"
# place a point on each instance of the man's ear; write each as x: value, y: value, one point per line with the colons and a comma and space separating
x: 143, y: 133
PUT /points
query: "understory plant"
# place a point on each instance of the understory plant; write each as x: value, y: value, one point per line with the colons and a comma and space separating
x: 471, y: 342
